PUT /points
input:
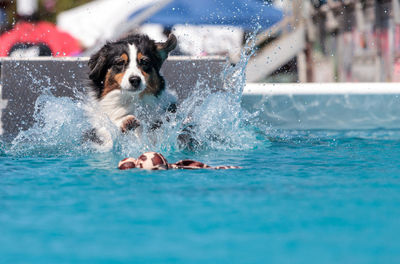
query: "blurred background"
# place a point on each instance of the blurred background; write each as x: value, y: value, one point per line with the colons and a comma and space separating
x: 295, y: 41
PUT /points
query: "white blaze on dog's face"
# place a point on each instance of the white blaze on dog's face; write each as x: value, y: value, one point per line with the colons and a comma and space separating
x: 133, y: 79
x: 131, y: 65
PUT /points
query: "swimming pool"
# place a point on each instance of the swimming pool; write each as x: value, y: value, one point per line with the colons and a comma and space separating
x: 302, y: 197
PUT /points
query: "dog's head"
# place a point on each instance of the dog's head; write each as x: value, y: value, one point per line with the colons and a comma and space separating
x: 131, y: 64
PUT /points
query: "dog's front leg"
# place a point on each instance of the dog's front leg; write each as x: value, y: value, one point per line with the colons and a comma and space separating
x: 129, y: 122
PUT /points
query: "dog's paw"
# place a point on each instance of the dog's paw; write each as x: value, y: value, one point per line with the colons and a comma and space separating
x: 130, y: 123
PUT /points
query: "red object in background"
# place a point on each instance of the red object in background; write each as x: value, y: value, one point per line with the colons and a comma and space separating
x: 41, y: 34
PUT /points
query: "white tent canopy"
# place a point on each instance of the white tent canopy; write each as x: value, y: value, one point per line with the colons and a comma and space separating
x: 102, y: 20
x: 98, y: 20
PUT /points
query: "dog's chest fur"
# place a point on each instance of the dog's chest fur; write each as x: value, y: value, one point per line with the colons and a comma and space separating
x: 148, y: 108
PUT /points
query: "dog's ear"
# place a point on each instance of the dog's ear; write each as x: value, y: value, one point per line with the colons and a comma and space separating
x: 166, y: 47
x: 97, y: 65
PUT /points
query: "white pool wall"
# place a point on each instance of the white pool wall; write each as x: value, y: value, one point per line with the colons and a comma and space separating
x: 321, y: 88
x: 338, y: 106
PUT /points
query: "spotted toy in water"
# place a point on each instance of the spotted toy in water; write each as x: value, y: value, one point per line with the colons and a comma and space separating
x: 156, y: 161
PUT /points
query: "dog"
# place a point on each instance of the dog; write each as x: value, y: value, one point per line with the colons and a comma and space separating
x: 126, y: 83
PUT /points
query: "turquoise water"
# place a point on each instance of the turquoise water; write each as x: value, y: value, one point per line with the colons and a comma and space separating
x: 301, y: 197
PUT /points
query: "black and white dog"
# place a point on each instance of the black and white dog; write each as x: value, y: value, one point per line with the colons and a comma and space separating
x: 126, y: 83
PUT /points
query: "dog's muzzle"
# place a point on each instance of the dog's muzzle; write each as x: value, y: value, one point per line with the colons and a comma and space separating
x: 135, y: 82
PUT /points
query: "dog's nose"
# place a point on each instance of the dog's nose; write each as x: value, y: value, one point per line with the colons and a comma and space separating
x: 135, y: 81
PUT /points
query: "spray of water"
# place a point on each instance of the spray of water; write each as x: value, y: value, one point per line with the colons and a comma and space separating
x: 212, y: 120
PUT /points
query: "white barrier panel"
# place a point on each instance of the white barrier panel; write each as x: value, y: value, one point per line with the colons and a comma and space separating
x: 321, y: 88
x: 325, y: 105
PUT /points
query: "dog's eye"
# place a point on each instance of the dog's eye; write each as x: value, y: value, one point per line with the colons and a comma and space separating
x: 145, y: 63
x: 119, y: 62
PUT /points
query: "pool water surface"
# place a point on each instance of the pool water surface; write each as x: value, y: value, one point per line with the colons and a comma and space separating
x: 301, y: 197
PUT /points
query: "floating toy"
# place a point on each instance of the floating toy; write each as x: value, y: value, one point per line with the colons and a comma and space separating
x: 156, y: 161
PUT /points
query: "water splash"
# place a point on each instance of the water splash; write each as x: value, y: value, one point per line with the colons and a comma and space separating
x: 58, y: 127
x: 215, y: 121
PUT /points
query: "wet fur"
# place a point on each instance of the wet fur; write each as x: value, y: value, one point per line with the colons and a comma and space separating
x: 125, y: 75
